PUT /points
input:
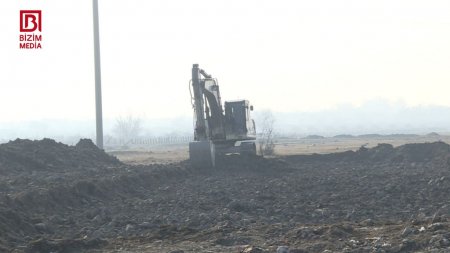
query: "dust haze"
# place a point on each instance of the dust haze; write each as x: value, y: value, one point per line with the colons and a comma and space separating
x: 373, y: 117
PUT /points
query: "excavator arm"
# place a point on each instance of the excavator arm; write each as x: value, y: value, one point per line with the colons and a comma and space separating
x: 207, y: 106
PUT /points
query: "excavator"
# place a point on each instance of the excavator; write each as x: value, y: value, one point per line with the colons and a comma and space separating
x: 218, y: 132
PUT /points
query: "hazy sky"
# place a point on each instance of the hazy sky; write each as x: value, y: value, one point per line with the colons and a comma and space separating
x: 281, y: 55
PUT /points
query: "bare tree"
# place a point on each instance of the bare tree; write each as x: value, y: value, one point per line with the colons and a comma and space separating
x: 127, y: 128
x: 266, y: 134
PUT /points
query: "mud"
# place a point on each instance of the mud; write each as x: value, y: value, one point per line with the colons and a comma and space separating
x: 59, y: 198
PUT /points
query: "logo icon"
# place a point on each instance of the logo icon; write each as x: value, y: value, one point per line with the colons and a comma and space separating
x: 30, y: 20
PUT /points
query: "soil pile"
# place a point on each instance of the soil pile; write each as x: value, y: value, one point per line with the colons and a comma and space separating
x: 36, y: 177
x: 416, y: 152
x: 28, y: 156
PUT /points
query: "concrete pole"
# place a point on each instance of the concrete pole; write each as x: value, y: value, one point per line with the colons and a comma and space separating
x: 98, y: 78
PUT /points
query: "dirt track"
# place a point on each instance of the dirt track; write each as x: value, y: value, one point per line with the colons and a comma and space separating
x: 56, y: 198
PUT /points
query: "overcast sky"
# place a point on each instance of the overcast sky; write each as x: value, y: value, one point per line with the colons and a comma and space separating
x: 281, y: 55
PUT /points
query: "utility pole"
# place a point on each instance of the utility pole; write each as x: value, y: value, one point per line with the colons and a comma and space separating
x: 98, y: 78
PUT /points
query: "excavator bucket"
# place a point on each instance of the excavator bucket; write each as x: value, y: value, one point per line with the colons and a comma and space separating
x: 202, y: 154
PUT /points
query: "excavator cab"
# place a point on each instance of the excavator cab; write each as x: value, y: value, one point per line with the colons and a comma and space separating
x: 238, y: 123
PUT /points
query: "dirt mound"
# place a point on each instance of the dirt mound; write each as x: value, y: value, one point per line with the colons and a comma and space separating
x: 420, y: 152
x: 26, y: 155
x: 417, y: 152
x: 40, y: 176
x: 410, y: 153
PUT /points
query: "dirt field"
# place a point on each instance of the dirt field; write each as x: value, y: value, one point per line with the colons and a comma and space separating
x: 179, y: 152
x: 58, y: 198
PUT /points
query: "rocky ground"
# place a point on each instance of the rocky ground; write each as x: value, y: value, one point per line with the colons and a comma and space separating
x: 58, y: 198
